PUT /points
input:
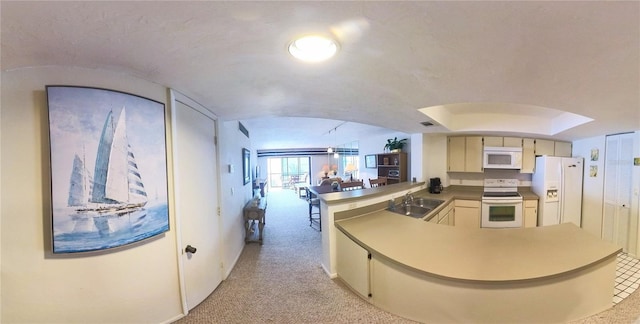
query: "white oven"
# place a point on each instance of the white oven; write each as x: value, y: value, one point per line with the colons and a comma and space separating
x: 501, y: 204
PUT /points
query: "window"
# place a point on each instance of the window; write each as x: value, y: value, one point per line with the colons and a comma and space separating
x: 286, y: 171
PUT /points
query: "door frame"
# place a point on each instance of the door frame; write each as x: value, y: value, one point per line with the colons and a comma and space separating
x: 175, y: 96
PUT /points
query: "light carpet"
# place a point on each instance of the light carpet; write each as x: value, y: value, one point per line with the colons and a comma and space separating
x: 282, y: 281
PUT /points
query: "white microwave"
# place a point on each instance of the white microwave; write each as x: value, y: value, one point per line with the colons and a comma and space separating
x: 502, y: 157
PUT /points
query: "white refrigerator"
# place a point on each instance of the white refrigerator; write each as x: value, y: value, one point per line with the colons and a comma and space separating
x: 558, y: 183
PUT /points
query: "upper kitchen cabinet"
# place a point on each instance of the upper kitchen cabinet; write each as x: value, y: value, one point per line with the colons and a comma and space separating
x: 562, y: 149
x: 493, y: 141
x: 544, y: 147
x: 553, y: 148
x: 464, y: 154
x: 513, y: 142
x: 528, y: 155
x: 496, y: 141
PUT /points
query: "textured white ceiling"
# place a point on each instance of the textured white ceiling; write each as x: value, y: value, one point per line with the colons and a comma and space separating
x: 395, y: 57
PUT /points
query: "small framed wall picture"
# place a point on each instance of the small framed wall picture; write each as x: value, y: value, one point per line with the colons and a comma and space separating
x: 594, y: 154
x: 370, y: 161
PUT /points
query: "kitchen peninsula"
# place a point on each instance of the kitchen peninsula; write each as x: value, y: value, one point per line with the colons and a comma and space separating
x: 435, y: 273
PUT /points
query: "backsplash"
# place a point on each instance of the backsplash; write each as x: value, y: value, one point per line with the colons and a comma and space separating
x: 477, y: 179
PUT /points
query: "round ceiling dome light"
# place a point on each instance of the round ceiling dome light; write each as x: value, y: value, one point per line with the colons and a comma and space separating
x: 313, y: 48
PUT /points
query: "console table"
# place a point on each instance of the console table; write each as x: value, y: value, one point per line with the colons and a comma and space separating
x: 254, y: 211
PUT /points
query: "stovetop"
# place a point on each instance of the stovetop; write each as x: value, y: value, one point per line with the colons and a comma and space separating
x: 500, y: 188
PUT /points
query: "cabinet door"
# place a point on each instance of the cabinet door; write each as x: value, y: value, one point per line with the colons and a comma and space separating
x: 467, y: 217
x: 562, y: 149
x: 352, y: 264
x: 530, y: 213
x: 456, y: 152
x: 473, y: 154
x: 528, y: 155
x: 444, y: 220
x: 467, y: 213
x: 493, y: 141
x: 545, y: 147
x: 512, y: 142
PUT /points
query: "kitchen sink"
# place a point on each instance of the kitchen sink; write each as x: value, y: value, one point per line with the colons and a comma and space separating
x: 419, y: 208
x: 427, y: 202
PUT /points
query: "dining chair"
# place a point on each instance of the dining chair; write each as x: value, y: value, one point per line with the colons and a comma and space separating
x: 352, y: 185
x: 381, y: 181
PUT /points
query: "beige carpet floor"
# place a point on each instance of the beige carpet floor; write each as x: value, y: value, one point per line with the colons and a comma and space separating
x: 282, y: 281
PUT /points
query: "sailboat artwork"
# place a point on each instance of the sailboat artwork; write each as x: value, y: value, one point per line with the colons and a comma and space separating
x: 107, y: 203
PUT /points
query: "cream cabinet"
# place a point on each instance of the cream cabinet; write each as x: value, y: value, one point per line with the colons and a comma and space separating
x: 497, y: 141
x: 562, y: 149
x: 545, y: 147
x: 464, y: 154
x: 530, y: 217
x: 467, y: 213
x: 352, y: 264
x: 473, y: 151
x: 456, y: 154
x: 493, y: 141
x: 528, y: 155
x: 445, y: 216
x: 512, y: 142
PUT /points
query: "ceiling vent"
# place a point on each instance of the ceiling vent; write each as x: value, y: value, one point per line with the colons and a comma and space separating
x: 427, y: 124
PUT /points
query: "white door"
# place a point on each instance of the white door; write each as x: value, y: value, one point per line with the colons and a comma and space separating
x: 617, y: 191
x: 197, y: 202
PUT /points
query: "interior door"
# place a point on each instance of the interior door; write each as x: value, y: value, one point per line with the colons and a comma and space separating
x: 617, y: 191
x: 197, y: 202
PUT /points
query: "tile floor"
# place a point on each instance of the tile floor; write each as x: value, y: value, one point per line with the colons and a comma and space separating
x: 627, y: 277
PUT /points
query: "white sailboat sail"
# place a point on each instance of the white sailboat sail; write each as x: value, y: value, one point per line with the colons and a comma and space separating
x: 117, y: 183
x: 78, y: 191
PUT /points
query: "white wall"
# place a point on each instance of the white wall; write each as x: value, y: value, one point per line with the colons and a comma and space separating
x: 133, y: 284
x: 592, y: 187
x: 233, y: 192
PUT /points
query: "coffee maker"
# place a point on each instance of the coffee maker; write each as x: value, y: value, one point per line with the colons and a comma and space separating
x: 435, y: 186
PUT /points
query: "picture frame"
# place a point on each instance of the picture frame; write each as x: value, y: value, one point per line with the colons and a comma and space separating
x: 246, y: 166
x: 108, y: 168
x: 370, y: 161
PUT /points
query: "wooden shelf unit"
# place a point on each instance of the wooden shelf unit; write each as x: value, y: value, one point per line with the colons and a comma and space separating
x: 394, y: 163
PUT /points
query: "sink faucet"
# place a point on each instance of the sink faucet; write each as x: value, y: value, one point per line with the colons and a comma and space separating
x: 408, y: 199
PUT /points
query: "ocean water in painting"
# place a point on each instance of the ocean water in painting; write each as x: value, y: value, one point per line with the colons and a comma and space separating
x: 84, y: 232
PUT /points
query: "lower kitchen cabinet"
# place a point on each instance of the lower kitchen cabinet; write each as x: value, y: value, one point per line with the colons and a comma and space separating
x: 445, y: 216
x: 467, y: 213
x: 530, y: 218
x: 353, y: 264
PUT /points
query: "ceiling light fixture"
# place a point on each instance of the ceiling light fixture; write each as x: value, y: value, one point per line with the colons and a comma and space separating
x: 313, y: 48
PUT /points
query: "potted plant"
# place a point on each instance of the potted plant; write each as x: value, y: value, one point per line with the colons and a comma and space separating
x: 395, y: 145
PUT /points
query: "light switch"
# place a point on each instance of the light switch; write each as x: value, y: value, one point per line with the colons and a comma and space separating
x: 231, y: 168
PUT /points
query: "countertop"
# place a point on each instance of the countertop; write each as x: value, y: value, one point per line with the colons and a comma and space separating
x: 500, y: 255
x: 477, y: 254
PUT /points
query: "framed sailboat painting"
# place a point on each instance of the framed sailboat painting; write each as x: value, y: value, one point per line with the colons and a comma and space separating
x: 108, y: 168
